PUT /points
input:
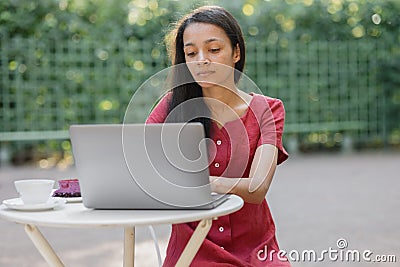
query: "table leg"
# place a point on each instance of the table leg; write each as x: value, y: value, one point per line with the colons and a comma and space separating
x: 194, y: 243
x: 43, y: 246
x: 129, y: 246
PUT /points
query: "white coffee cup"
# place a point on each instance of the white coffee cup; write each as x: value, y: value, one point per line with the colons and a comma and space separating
x: 34, y: 191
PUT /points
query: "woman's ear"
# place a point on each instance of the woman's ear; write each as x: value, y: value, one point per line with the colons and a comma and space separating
x: 236, y: 54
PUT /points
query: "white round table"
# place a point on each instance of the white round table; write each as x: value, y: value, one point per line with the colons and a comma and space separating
x: 75, y: 215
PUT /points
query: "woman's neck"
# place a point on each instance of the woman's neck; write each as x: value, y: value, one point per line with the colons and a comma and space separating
x: 227, y: 96
x: 226, y: 104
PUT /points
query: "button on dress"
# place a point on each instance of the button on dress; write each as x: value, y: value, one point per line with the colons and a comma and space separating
x: 243, y: 237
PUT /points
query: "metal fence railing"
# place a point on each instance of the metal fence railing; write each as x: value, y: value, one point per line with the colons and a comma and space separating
x: 329, y: 89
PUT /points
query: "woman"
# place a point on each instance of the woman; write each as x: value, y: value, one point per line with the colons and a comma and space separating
x: 246, y: 134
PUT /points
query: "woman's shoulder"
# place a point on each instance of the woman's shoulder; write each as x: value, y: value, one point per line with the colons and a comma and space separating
x: 260, y: 101
x: 160, y: 109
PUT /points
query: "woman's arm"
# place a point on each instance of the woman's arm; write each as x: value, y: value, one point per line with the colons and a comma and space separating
x: 254, y: 188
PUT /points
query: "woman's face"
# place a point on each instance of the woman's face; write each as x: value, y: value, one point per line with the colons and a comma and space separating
x: 209, y: 55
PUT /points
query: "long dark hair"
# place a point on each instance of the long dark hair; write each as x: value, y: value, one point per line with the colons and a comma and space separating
x: 181, y: 93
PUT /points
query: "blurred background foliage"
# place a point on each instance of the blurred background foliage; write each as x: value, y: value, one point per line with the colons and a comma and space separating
x: 77, y: 61
x: 105, y: 20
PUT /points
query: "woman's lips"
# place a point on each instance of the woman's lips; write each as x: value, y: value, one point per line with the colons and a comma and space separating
x: 204, y: 73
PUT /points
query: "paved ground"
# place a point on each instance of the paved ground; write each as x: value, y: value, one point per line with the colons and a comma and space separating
x: 315, y: 200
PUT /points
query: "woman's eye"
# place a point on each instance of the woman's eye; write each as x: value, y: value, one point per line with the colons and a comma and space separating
x: 215, y: 50
x: 190, y: 54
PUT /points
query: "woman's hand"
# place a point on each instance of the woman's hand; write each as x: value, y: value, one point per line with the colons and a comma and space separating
x: 254, y: 188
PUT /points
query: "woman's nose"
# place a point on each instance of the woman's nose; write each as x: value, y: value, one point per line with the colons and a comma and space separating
x: 202, y: 58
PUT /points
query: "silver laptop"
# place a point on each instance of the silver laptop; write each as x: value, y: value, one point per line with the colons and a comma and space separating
x: 143, y: 166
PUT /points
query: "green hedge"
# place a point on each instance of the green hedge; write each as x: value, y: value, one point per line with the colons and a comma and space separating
x: 331, y: 62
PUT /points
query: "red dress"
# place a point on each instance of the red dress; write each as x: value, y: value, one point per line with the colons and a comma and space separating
x: 241, y: 238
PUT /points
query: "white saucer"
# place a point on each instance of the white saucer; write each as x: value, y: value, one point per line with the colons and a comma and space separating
x: 70, y: 199
x: 17, y: 204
